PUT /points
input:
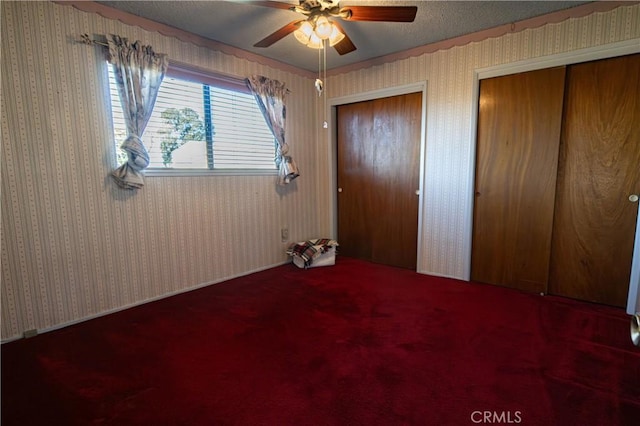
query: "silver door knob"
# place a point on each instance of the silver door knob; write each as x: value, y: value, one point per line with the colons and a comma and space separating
x: 339, y: 189
x: 417, y: 192
x: 633, y: 198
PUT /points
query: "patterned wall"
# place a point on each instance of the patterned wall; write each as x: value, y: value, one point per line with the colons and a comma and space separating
x: 74, y: 246
x: 450, y: 130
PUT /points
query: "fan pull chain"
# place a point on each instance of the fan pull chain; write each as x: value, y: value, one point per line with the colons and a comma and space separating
x: 319, y: 83
x: 322, y: 76
x: 325, y: 125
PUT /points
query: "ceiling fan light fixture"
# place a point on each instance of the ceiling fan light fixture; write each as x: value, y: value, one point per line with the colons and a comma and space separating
x: 324, y: 28
x: 309, y: 35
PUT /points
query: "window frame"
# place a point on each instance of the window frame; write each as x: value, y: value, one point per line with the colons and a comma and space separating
x: 190, y: 73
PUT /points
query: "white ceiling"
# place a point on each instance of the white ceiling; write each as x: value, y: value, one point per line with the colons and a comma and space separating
x: 242, y: 25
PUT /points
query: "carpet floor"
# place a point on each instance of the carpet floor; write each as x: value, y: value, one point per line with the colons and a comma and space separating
x: 352, y: 344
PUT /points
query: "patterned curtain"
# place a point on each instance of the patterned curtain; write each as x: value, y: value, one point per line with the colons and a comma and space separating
x: 270, y: 95
x: 138, y: 73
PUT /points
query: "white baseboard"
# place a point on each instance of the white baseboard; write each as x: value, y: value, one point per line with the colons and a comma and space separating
x: 35, y: 332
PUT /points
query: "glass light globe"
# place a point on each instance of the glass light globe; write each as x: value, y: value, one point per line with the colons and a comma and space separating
x: 323, y: 28
x: 336, y: 36
x: 315, y: 42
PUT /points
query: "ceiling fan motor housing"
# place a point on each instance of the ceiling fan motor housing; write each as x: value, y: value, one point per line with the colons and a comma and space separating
x: 315, y: 8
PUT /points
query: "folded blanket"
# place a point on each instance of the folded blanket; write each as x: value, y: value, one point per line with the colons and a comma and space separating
x: 311, y: 249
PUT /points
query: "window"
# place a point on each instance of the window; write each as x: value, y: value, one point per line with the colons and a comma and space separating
x: 201, y: 123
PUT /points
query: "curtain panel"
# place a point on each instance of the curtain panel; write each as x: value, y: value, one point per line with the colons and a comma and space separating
x: 270, y: 96
x: 138, y: 73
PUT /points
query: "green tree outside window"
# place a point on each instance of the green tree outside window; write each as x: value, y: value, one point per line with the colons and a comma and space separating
x: 185, y: 125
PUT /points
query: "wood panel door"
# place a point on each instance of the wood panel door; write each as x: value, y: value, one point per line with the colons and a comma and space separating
x: 378, y: 174
x: 595, y: 221
x: 519, y: 123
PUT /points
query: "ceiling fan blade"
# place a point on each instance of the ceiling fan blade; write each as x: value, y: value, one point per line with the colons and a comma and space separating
x: 379, y: 13
x: 279, y: 34
x: 345, y: 45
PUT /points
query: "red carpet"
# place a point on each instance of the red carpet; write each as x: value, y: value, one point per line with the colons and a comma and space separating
x: 353, y: 344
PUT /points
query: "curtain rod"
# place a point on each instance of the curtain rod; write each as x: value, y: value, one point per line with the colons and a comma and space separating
x: 84, y: 38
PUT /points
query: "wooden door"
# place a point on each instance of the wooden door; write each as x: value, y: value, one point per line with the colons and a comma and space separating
x: 519, y: 123
x: 378, y: 174
x: 595, y: 222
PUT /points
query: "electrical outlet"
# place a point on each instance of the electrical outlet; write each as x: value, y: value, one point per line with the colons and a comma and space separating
x: 284, y: 234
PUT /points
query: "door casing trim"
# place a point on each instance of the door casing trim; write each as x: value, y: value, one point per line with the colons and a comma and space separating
x: 333, y: 103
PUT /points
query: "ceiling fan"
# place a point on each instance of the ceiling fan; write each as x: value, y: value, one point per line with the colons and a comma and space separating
x: 320, y: 22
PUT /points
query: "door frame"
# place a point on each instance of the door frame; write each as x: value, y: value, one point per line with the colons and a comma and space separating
x: 605, y: 51
x: 333, y: 104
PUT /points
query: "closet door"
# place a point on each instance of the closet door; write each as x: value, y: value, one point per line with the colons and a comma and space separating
x: 599, y: 169
x: 519, y: 123
x: 378, y: 173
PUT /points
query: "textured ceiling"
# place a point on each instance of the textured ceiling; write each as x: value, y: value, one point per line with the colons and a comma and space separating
x: 242, y: 25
